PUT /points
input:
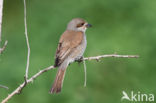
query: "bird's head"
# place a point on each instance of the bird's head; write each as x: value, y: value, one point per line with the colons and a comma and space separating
x: 78, y: 24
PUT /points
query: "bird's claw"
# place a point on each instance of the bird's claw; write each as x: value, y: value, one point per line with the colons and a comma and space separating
x: 79, y: 60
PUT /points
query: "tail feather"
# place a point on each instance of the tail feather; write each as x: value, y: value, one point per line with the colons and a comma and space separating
x: 56, y: 88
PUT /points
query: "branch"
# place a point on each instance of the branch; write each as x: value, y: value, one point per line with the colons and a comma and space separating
x: 1, y: 15
x: 111, y: 55
x: 28, y: 46
x: 2, y: 86
x: 27, y: 40
x: 18, y: 89
x: 85, y: 72
x: 4, y: 46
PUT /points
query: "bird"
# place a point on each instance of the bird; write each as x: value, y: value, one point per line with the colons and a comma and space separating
x: 71, y: 47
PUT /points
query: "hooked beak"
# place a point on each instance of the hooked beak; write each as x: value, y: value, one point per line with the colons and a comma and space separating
x: 88, y: 25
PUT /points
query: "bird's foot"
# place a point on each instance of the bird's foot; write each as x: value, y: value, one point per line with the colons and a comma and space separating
x: 79, y: 60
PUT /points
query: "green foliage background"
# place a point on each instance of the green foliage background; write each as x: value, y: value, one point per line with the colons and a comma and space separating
x: 121, y: 26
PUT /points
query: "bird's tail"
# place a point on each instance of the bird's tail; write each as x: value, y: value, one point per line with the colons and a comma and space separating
x: 56, y: 87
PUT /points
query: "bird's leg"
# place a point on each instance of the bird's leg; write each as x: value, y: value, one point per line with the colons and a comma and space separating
x: 79, y: 60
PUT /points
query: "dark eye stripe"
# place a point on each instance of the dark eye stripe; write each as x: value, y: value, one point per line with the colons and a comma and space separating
x: 81, y: 24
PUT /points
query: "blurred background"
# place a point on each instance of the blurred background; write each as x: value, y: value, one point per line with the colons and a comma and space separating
x: 121, y: 26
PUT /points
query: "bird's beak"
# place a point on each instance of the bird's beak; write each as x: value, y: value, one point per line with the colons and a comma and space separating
x: 88, y: 25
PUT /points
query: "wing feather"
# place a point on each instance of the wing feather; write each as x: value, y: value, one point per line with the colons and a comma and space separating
x: 68, y: 41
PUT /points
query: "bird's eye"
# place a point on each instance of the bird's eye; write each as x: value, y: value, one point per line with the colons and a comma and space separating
x: 80, y: 25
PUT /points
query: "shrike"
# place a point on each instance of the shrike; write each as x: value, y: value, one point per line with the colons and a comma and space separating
x: 71, y: 47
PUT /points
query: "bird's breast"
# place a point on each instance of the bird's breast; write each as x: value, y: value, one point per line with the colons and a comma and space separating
x: 78, y: 51
x: 81, y: 48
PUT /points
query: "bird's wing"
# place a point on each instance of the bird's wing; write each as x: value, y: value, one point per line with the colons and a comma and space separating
x: 68, y: 41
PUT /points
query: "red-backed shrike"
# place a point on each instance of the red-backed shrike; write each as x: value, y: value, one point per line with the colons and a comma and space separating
x: 71, y: 47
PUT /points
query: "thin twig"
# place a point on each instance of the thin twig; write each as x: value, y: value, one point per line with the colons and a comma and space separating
x: 85, y: 72
x: 4, y: 46
x: 18, y: 89
x: 111, y: 55
x: 27, y: 40
x: 2, y: 86
x: 1, y: 15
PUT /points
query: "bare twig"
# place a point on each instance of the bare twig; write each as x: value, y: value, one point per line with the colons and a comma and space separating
x: 111, y: 55
x: 85, y: 72
x: 2, y: 86
x: 18, y: 89
x: 4, y: 46
x: 1, y: 15
x: 27, y: 40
